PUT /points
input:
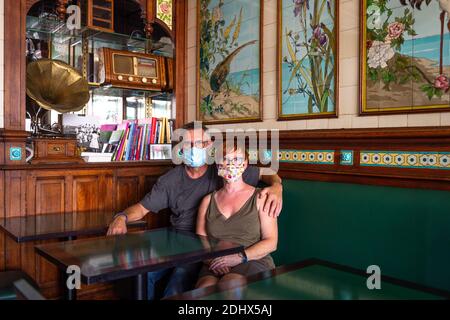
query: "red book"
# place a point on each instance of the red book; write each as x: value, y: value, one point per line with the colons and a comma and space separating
x: 152, y: 137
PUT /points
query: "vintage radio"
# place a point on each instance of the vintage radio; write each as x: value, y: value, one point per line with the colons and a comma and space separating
x: 132, y: 70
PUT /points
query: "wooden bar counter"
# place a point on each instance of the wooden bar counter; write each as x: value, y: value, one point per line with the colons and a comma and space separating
x: 30, y: 189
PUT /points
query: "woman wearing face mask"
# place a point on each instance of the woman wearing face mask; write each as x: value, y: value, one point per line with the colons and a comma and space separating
x: 234, y: 213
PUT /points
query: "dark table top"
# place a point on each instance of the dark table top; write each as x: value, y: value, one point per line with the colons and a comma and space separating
x: 59, y: 226
x: 117, y: 257
x: 314, y: 280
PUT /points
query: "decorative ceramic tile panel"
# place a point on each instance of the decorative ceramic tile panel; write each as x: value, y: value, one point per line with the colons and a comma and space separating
x: 307, y: 156
x: 346, y: 157
x: 406, y: 159
x: 164, y: 12
x: 298, y: 156
x: 15, y: 154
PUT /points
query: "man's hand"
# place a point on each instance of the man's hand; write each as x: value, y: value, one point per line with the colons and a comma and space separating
x: 117, y: 226
x: 274, y: 199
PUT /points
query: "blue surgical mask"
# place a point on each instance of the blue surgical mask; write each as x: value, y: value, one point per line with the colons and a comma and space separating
x: 195, y: 157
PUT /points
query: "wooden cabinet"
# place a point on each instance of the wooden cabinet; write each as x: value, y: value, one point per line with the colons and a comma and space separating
x: 35, y: 190
x: 55, y: 150
x: 127, y: 191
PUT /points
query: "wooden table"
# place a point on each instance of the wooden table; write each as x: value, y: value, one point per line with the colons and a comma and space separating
x: 62, y: 226
x: 133, y: 255
x: 314, y: 280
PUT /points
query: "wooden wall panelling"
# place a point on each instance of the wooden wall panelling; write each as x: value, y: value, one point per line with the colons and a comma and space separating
x: 90, y: 191
x: 2, y: 148
x: 45, y: 194
x: 180, y: 32
x: 28, y: 258
x: 126, y: 191
x: 131, y: 188
x: 14, y: 66
x: 2, y: 216
x: 46, y: 273
x: 15, y: 190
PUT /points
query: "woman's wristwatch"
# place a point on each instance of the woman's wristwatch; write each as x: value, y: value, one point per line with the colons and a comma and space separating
x: 123, y: 214
x: 243, y: 255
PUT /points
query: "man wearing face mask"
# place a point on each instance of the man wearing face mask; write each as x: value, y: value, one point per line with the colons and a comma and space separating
x: 181, y: 190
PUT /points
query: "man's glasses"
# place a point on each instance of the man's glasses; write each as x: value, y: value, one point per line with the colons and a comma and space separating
x: 197, y: 144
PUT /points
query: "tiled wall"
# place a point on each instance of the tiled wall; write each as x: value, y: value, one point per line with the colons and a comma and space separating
x: 2, y: 63
x: 349, y: 69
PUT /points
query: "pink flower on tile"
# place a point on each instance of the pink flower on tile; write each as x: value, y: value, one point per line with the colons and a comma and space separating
x: 395, y: 30
x: 442, y: 82
x: 164, y: 7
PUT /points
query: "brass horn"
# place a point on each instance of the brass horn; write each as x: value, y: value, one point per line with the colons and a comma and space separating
x: 55, y: 85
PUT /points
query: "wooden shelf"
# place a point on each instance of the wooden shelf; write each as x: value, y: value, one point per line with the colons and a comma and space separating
x: 91, y: 165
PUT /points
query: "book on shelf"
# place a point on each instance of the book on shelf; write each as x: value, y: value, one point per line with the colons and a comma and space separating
x: 137, y: 137
x: 96, y: 157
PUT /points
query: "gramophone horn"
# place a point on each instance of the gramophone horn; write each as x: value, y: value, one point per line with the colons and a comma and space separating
x: 55, y: 85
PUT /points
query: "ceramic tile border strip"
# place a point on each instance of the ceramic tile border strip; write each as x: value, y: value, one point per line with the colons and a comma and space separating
x: 406, y: 159
x: 324, y: 157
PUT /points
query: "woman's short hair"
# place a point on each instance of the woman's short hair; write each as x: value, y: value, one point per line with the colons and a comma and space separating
x: 234, y: 145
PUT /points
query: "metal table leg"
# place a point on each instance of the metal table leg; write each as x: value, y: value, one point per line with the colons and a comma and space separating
x: 68, y: 294
x: 140, y: 287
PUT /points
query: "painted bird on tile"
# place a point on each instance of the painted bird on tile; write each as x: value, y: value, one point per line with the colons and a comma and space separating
x: 415, y: 3
x: 222, y: 70
x: 445, y: 7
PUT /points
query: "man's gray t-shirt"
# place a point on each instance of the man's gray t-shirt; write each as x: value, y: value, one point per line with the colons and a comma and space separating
x: 182, y: 195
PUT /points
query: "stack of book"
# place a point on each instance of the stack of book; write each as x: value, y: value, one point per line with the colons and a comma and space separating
x: 133, y: 139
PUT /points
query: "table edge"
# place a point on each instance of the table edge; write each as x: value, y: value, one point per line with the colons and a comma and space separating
x: 204, y: 292
x: 185, y: 258
x: 62, y: 234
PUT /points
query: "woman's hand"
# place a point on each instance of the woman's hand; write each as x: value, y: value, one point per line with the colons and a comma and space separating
x: 229, y: 261
x: 221, y: 271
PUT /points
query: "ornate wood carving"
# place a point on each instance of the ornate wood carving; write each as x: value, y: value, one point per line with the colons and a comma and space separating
x: 61, y: 9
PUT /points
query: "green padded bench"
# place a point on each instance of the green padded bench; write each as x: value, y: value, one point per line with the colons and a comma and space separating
x: 7, y: 280
x: 406, y: 232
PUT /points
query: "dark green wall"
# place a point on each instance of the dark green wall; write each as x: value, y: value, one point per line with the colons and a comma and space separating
x: 404, y: 231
